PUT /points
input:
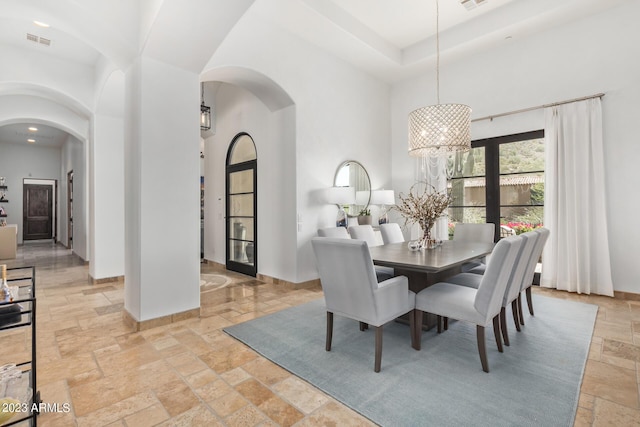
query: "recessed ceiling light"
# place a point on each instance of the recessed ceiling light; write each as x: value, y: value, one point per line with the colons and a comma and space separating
x: 33, y: 129
x: 41, y: 24
x: 31, y: 141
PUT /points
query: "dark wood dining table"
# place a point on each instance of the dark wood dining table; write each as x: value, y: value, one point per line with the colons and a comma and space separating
x: 425, y: 267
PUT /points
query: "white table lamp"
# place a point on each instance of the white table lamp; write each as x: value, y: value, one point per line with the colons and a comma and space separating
x: 341, y: 196
x: 383, y: 198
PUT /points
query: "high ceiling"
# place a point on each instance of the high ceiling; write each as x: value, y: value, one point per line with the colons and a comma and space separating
x: 390, y: 39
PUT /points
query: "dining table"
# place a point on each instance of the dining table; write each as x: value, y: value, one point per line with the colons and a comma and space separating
x: 424, y: 267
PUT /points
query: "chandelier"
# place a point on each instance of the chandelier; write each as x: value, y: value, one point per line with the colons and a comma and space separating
x: 439, y: 129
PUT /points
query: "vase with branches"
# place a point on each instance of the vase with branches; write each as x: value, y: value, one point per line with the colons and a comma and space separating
x: 423, y: 206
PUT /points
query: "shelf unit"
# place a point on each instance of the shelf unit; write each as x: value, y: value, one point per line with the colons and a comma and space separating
x: 25, y: 279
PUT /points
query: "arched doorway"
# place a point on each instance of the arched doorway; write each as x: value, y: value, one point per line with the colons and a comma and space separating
x: 241, y: 205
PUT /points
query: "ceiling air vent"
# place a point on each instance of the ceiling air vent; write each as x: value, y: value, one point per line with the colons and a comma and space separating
x: 36, y: 39
x: 472, y: 4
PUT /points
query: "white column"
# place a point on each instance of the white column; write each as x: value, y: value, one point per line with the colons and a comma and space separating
x: 106, y: 204
x: 162, y: 200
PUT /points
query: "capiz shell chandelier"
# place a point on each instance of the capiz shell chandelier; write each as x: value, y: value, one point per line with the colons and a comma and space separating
x: 439, y: 129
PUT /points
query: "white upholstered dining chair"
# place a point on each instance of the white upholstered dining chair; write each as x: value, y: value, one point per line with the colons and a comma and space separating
x: 521, y: 263
x: 543, y: 235
x: 391, y: 233
x: 474, y: 232
x: 351, y: 290
x: 336, y: 232
x: 478, y: 306
x: 366, y: 233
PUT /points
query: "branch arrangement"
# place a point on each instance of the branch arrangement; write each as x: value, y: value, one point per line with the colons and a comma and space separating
x: 423, y: 207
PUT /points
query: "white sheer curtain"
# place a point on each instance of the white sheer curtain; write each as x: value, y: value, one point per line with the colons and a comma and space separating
x: 576, y: 256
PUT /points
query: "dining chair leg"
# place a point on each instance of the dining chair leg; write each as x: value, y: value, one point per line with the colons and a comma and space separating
x: 378, y: 348
x: 529, y: 301
x: 417, y: 330
x: 364, y: 326
x: 329, y: 330
x: 503, y: 326
x: 515, y: 311
x: 446, y: 323
x: 520, y: 308
x: 482, y: 348
x: 412, y: 329
x: 496, y: 332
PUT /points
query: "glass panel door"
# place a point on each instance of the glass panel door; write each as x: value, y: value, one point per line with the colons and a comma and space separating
x: 241, y: 206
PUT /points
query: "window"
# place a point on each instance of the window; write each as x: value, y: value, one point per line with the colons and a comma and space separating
x: 500, y: 180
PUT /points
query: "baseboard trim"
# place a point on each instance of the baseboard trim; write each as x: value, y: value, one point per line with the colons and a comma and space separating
x: 137, y: 326
x: 309, y: 284
x: 94, y: 281
x: 629, y: 296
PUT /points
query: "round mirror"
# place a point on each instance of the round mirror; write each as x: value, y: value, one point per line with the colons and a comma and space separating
x: 353, y: 174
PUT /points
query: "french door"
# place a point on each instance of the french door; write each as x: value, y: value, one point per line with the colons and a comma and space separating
x: 500, y: 181
x: 241, y: 206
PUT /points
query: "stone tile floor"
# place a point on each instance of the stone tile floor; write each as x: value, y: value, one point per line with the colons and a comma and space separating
x: 191, y: 373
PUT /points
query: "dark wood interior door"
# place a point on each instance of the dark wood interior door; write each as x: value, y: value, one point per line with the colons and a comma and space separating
x: 38, y: 212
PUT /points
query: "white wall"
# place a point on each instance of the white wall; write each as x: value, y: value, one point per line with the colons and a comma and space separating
x: 19, y: 162
x: 107, y: 197
x: 579, y: 59
x: 74, y: 158
x: 30, y: 67
x: 340, y: 114
x: 240, y: 111
x: 106, y: 189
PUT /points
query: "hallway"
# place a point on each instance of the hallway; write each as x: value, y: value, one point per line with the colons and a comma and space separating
x: 190, y: 373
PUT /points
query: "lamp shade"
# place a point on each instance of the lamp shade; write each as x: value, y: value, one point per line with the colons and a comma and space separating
x: 439, y: 130
x: 341, y: 195
x: 383, y: 197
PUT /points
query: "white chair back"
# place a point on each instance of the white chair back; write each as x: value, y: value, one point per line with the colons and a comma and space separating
x: 347, y: 276
x: 391, y: 233
x: 521, y: 263
x: 364, y: 232
x: 488, y: 301
x: 543, y: 235
x: 483, y: 232
x: 335, y: 232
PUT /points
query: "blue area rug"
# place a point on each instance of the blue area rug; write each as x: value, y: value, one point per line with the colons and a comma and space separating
x: 536, y: 381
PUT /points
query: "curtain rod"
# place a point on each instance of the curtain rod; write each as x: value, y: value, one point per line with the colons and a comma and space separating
x: 493, y: 116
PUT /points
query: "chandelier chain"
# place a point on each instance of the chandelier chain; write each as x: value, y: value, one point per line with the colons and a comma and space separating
x: 437, y: 52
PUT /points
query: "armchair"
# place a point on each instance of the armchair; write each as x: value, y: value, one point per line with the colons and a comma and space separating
x: 471, y: 232
x: 478, y: 306
x: 351, y: 290
x: 366, y: 233
x: 391, y: 233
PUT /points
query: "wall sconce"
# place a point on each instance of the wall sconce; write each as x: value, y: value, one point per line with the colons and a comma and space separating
x: 205, y: 112
x: 383, y: 198
x: 341, y: 196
